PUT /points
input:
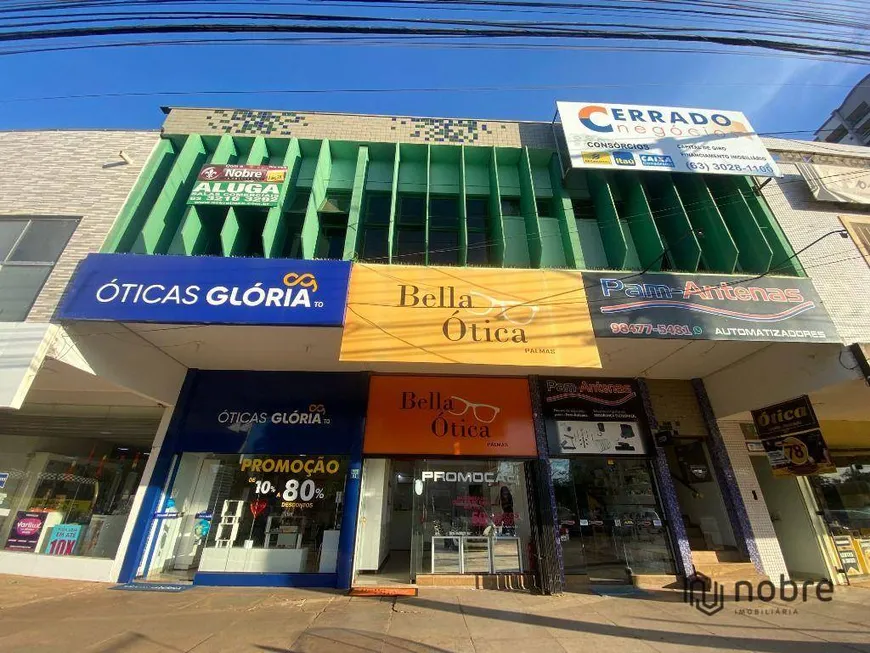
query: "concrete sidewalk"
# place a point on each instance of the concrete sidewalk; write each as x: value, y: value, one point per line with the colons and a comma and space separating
x: 49, y: 615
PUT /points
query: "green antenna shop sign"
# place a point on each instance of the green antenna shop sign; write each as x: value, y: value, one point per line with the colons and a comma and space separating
x: 236, y: 185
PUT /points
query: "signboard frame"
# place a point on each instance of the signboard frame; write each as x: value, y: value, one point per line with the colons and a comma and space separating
x: 648, y: 138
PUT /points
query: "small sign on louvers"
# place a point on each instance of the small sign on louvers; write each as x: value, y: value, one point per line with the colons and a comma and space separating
x: 238, y: 185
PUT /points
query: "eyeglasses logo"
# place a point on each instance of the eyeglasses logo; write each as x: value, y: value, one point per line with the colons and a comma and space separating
x: 482, y: 412
x: 452, y: 413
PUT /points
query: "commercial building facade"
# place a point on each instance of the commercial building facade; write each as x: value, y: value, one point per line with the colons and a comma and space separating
x: 76, y: 428
x: 849, y: 124
x: 464, y: 402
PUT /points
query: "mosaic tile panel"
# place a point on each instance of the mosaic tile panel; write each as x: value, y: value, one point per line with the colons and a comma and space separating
x: 254, y: 123
x: 547, y: 472
x: 441, y: 130
x: 727, y: 480
x: 668, y: 493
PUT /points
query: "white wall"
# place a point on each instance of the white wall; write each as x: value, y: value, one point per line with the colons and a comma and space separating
x: 22, y: 349
x: 374, y: 515
x: 791, y: 521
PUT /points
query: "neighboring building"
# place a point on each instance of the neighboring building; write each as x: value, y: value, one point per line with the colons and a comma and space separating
x: 850, y: 123
x: 472, y: 384
x: 803, y: 521
x: 74, y: 436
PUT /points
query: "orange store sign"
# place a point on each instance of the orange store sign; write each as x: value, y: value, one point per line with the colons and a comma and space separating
x: 452, y: 416
x: 468, y: 315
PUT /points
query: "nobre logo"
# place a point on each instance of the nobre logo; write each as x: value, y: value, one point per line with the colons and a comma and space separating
x: 709, y: 596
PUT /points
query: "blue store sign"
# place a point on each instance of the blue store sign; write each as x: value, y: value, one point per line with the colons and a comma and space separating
x: 272, y: 412
x: 207, y: 290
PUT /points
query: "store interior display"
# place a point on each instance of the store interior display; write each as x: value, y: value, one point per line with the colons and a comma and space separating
x: 227, y: 515
x: 84, y: 498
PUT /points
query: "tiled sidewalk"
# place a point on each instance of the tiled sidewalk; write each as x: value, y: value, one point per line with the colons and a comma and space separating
x: 46, y: 615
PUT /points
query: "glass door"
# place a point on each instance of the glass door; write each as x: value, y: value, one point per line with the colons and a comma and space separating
x: 610, y: 522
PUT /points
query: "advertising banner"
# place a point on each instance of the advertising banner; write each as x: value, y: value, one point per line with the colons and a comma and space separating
x: 449, y: 416
x: 480, y: 316
x: 799, y: 454
x: 663, y: 139
x: 598, y: 416
x: 790, y: 435
x: 63, y: 539
x: 238, y: 185
x: 784, y: 418
x: 207, y: 290
x: 707, y: 307
x: 271, y: 412
x: 25, y: 532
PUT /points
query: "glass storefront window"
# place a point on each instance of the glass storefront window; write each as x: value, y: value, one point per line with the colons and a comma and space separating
x: 610, y: 519
x: 470, y: 517
x: 844, y: 499
x: 251, y: 513
x: 68, y: 504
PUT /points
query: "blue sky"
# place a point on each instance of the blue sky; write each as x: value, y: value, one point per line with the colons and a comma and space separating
x: 776, y: 92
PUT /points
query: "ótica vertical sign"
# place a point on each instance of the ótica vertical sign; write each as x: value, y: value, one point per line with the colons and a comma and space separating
x: 790, y: 434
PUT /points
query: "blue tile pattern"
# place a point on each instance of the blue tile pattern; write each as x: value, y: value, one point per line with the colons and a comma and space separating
x: 727, y: 480
x: 547, y: 475
x: 668, y: 493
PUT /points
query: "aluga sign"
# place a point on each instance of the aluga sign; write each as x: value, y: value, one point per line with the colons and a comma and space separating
x: 238, y: 185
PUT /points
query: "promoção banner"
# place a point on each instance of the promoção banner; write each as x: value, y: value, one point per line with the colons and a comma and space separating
x: 707, y: 307
x: 663, y: 139
x: 598, y: 416
x: 468, y: 315
x: 238, y: 185
x: 207, y: 290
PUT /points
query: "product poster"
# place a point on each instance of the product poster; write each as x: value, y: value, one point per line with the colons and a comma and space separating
x: 26, y: 530
x: 63, y: 539
x: 593, y: 416
x: 610, y: 438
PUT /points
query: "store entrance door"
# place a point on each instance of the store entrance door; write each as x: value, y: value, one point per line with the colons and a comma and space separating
x: 384, y: 525
x: 610, y: 525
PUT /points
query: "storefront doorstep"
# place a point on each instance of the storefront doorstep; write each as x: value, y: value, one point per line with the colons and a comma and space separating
x: 505, y: 581
x: 229, y: 579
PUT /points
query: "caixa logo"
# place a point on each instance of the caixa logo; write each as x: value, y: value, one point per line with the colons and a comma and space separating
x: 294, y: 291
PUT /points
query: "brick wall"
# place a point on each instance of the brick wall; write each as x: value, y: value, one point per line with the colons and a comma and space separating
x: 772, y: 562
x: 69, y: 173
x: 356, y: 127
